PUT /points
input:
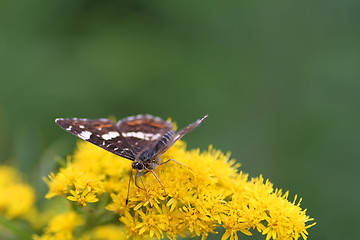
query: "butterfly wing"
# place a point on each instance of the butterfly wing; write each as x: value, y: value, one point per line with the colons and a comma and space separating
x: 186, y: 130
x: 144, y: 132
x: 101, y: 132
x: 180, y: 134
x: 130, y: 137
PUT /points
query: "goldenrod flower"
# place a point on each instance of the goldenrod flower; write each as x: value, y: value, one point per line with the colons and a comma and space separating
x: 17, y: 198
x: 62, y: 227
x: 106, y: 232
x: 85, y: 197
x: 208, y: 193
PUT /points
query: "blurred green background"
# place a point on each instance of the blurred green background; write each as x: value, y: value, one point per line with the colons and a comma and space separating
x: 279, y: 80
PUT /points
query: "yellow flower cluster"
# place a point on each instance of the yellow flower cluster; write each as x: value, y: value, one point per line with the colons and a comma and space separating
x: 62, y: 226
x: 16, y: 197
x: 207, y: 193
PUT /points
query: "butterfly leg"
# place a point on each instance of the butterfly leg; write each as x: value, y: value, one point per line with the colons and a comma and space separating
x: 174, y: 161
x: 159, y: 181
x: 147, y: 195
x: 128, y: 193
x: 139, y: 175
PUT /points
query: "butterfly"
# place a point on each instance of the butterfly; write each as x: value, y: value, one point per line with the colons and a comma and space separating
x: 142, y: 139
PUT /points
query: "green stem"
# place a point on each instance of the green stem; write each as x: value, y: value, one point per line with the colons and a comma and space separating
x: 15, y: 229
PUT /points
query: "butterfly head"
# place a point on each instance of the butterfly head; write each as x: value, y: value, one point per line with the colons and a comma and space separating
x: 138, y: 165
x: 146, y: 161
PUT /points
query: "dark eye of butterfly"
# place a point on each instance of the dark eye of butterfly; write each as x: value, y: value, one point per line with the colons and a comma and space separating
x: 137, y: 165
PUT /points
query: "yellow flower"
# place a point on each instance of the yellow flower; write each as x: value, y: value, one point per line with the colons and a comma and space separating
x: 107, y: 232
x: 62, y: 227
x: 86, y: 196
x: 207, y: 193
x: 76, y: 182
x: 17, y: 198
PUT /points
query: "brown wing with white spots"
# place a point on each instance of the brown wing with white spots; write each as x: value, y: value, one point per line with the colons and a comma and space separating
x: 145, y: 133
x: 101, y: 132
